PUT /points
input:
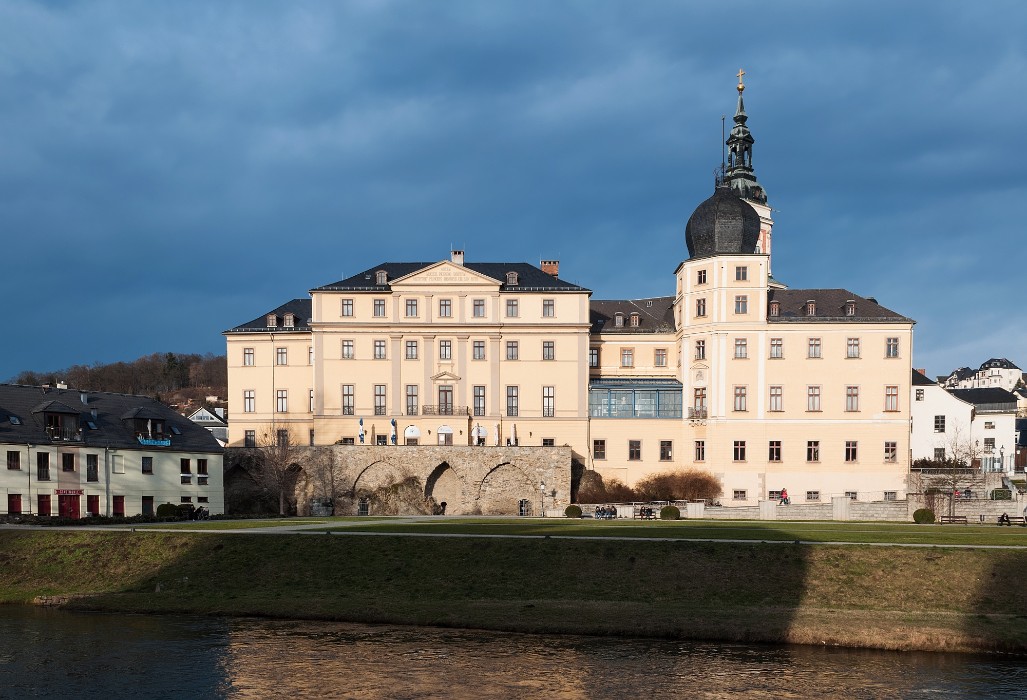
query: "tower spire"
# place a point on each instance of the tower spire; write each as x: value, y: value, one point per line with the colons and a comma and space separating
x: 739, y: 174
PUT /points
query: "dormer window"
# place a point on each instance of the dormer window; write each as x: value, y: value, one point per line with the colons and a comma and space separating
x: 272, y: 321
x: 61, y: 426
x: 811, y: 307
x: 618, y: 320
x: 381, y: 278
x: 290, y: 321
x: 511, y: 279
x: 775, y: 308
x: 850, y: 307
x: 634, y: 320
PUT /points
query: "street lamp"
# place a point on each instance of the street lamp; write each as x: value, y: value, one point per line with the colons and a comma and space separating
x: 542, y: 494
x: 1002, y: 458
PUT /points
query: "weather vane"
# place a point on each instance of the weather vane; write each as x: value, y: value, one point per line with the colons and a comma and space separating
x: 741, y: 85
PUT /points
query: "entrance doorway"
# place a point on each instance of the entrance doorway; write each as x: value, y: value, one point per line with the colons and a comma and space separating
x: 524, y: 507
x: 445, y: 435
x: 147, y: 505
x: 44, y: 504
x: 93, y: 505
x: 68, y: 506
x: 14, y: 503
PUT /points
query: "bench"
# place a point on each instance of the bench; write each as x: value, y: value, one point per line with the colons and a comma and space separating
x: 1013, y: 520
x: 954, y: 519
x: 645, y: 513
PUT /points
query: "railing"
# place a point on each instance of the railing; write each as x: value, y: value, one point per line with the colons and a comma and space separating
x: 43, y: 474
x: 697, y: 414
x: 444, y: 409
x: 65, y: 434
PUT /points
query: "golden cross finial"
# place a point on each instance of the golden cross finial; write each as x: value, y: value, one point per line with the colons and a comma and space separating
x: 741, y: 85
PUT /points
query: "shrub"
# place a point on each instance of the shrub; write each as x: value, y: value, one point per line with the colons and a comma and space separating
x: 923, y: 516
x: 669, y: 513
x: 573, y: 511
x: 167, y: 510
x: 592, y: 489
x: 680, y: 485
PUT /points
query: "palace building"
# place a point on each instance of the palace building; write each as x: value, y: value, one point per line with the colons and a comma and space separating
x: 765, y: 386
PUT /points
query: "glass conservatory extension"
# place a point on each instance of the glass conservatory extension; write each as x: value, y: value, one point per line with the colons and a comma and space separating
x: 634, y: 398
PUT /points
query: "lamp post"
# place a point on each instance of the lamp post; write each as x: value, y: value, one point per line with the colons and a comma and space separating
x: 1002, y: 458
x: 542, y: 494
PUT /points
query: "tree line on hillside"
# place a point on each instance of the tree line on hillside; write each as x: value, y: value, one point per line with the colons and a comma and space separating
x: 163, y: 375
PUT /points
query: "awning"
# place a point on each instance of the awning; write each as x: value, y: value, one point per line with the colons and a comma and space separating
x: 412, y: 432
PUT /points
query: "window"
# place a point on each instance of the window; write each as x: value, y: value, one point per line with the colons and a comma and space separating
x: 812, y: 495
x: 411, y: 353
x: 282, y: 400
x: 411, y: 307
x: 548, y: 308
x: 618, y: 320
x: 813, y: 398
x: 634, y: 320
x: 666, y: 450
x: 511, y: 308
x: 741, y: 273
x: 850, y: 450
x: 201, y: 466
x: 599, y: 449
x: 272, y: 321
x: 478, y: 307
x: 700, y: 349
x: 739, y: 404
x: 700, y: 277
x: 814, y: 347
x: 811, y: 308
x: 699, y: 400
x: 43, y: 466
x: 775, y: 308
x: 852, y: 347
x: 347, y: 399
x: 68, y: 462
x: 891, y: 495
x: 379, y: 399
x: 186, y: 467
x: 310, y: 354
x: 777, y: 348
x: 478, y: 350
x: 445, y: 308
x: 919, y: 394
x: 700, y: 450
x: 147, y: 465
x: 249, y: 401
x: 511, y: 401
x: 939, y: 454
x: 548, y: 350
x: 776, y: 398
x: 347, y: 349
x: 700, y: 307
x: 379, y: 349
x: 989, y: 446
x: 850, y: 308
x: 13, y: 459
x: 891, y: 347
x: 627, y: 357
x: 379, y: 308
x: 281, y: 356
x: 250, y: 438
x: 381, y: 277
x: 634, y: 450
x: 739, y: 495
x: 891, y: 452
x: 852, y: 398
x: 384, y: 440
x: 741, y: 348
x: 479, y: 400
x: 347, y: 307
x: 939, y: 424
x: 593, y: 357
x: 891, y: 398
x: 445, y: 349
x: 774, y: 451
x: 511, y: 350
x: 660, y: 357
x: 741, y: 304
x: 739, y: 451
x: 548, y: 401
x: 813, y: 451
x: 511, y: 278
x: 548, y: 442
x: 247, y: 357
x: 411, y: 399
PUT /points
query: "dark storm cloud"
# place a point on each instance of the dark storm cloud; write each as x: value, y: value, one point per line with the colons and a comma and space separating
x: 168, y: 171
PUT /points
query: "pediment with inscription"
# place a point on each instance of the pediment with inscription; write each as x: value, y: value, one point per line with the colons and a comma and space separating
x: 445, y: 274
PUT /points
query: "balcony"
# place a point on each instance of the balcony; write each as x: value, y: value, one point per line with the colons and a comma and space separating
x: 697, y: 414
x: 444, y: 409
x: 62, y: 434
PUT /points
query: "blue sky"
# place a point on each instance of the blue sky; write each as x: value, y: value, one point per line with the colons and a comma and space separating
x: 169, y: 170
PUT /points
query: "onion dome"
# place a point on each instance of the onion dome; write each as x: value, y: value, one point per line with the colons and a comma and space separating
x: 722, y: 225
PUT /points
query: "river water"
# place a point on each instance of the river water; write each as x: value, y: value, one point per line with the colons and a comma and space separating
x: 53, y: 653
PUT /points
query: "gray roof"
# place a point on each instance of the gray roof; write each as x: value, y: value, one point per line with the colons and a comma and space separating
x: 299, y: 308
x: 988, y: 395
x: 723, y: 224
x: 998, y: 363
x: 655, y: 315
x: 830, y: 307
x: 114, y: 413
x: 920, y: 379
x: 529, y: 277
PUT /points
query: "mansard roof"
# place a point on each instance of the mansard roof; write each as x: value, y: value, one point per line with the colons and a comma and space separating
x: 299, y: 308
x: 998, y: 363
x: 655, y: 315
x: 830, y: 307
x: 113, y: 420
x: 529, y: 277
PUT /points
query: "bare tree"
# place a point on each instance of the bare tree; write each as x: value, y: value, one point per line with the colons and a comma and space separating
x: 276, y: 467
x: 959, y: 471
x: 325, y: 473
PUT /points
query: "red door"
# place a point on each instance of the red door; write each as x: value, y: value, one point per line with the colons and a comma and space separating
x: 68, y: 506
x: 93, y: 505
x: 119, y: 506
x: 44, y: 504
x: 14, y: 503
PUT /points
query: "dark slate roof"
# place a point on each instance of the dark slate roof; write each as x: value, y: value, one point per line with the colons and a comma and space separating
x: 299, y: 308
x: 655, y: 315
x: 998, y: 363
x: 29, y: 403
x: 989, y: 395
x: 961, y: 374
x: 723, y: 224
x: 920, y: 379
x: 830, y: 307
x: 529, y: 277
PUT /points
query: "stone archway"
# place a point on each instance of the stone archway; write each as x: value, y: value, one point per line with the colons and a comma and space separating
x: 446, y: 486
x: 503, y: 487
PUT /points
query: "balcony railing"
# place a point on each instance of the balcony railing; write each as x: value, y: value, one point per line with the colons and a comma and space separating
x: 64, y: 434
x: 697, y: 414
x: 444, y: 409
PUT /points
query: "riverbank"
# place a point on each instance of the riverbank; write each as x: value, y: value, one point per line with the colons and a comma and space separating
x: 855, y: 596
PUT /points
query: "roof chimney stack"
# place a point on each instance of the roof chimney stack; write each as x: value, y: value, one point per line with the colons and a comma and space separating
x: 457, y: 257
x: 550, y: 267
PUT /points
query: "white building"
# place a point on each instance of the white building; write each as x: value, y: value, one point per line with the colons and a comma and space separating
x: 996, y: 373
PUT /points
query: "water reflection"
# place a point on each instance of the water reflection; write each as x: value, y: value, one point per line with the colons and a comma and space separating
x: 56, y: 654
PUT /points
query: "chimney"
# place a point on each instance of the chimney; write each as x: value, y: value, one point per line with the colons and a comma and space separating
x: 550, y: 267
x: 922, y: 371
x: 457, y: 257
